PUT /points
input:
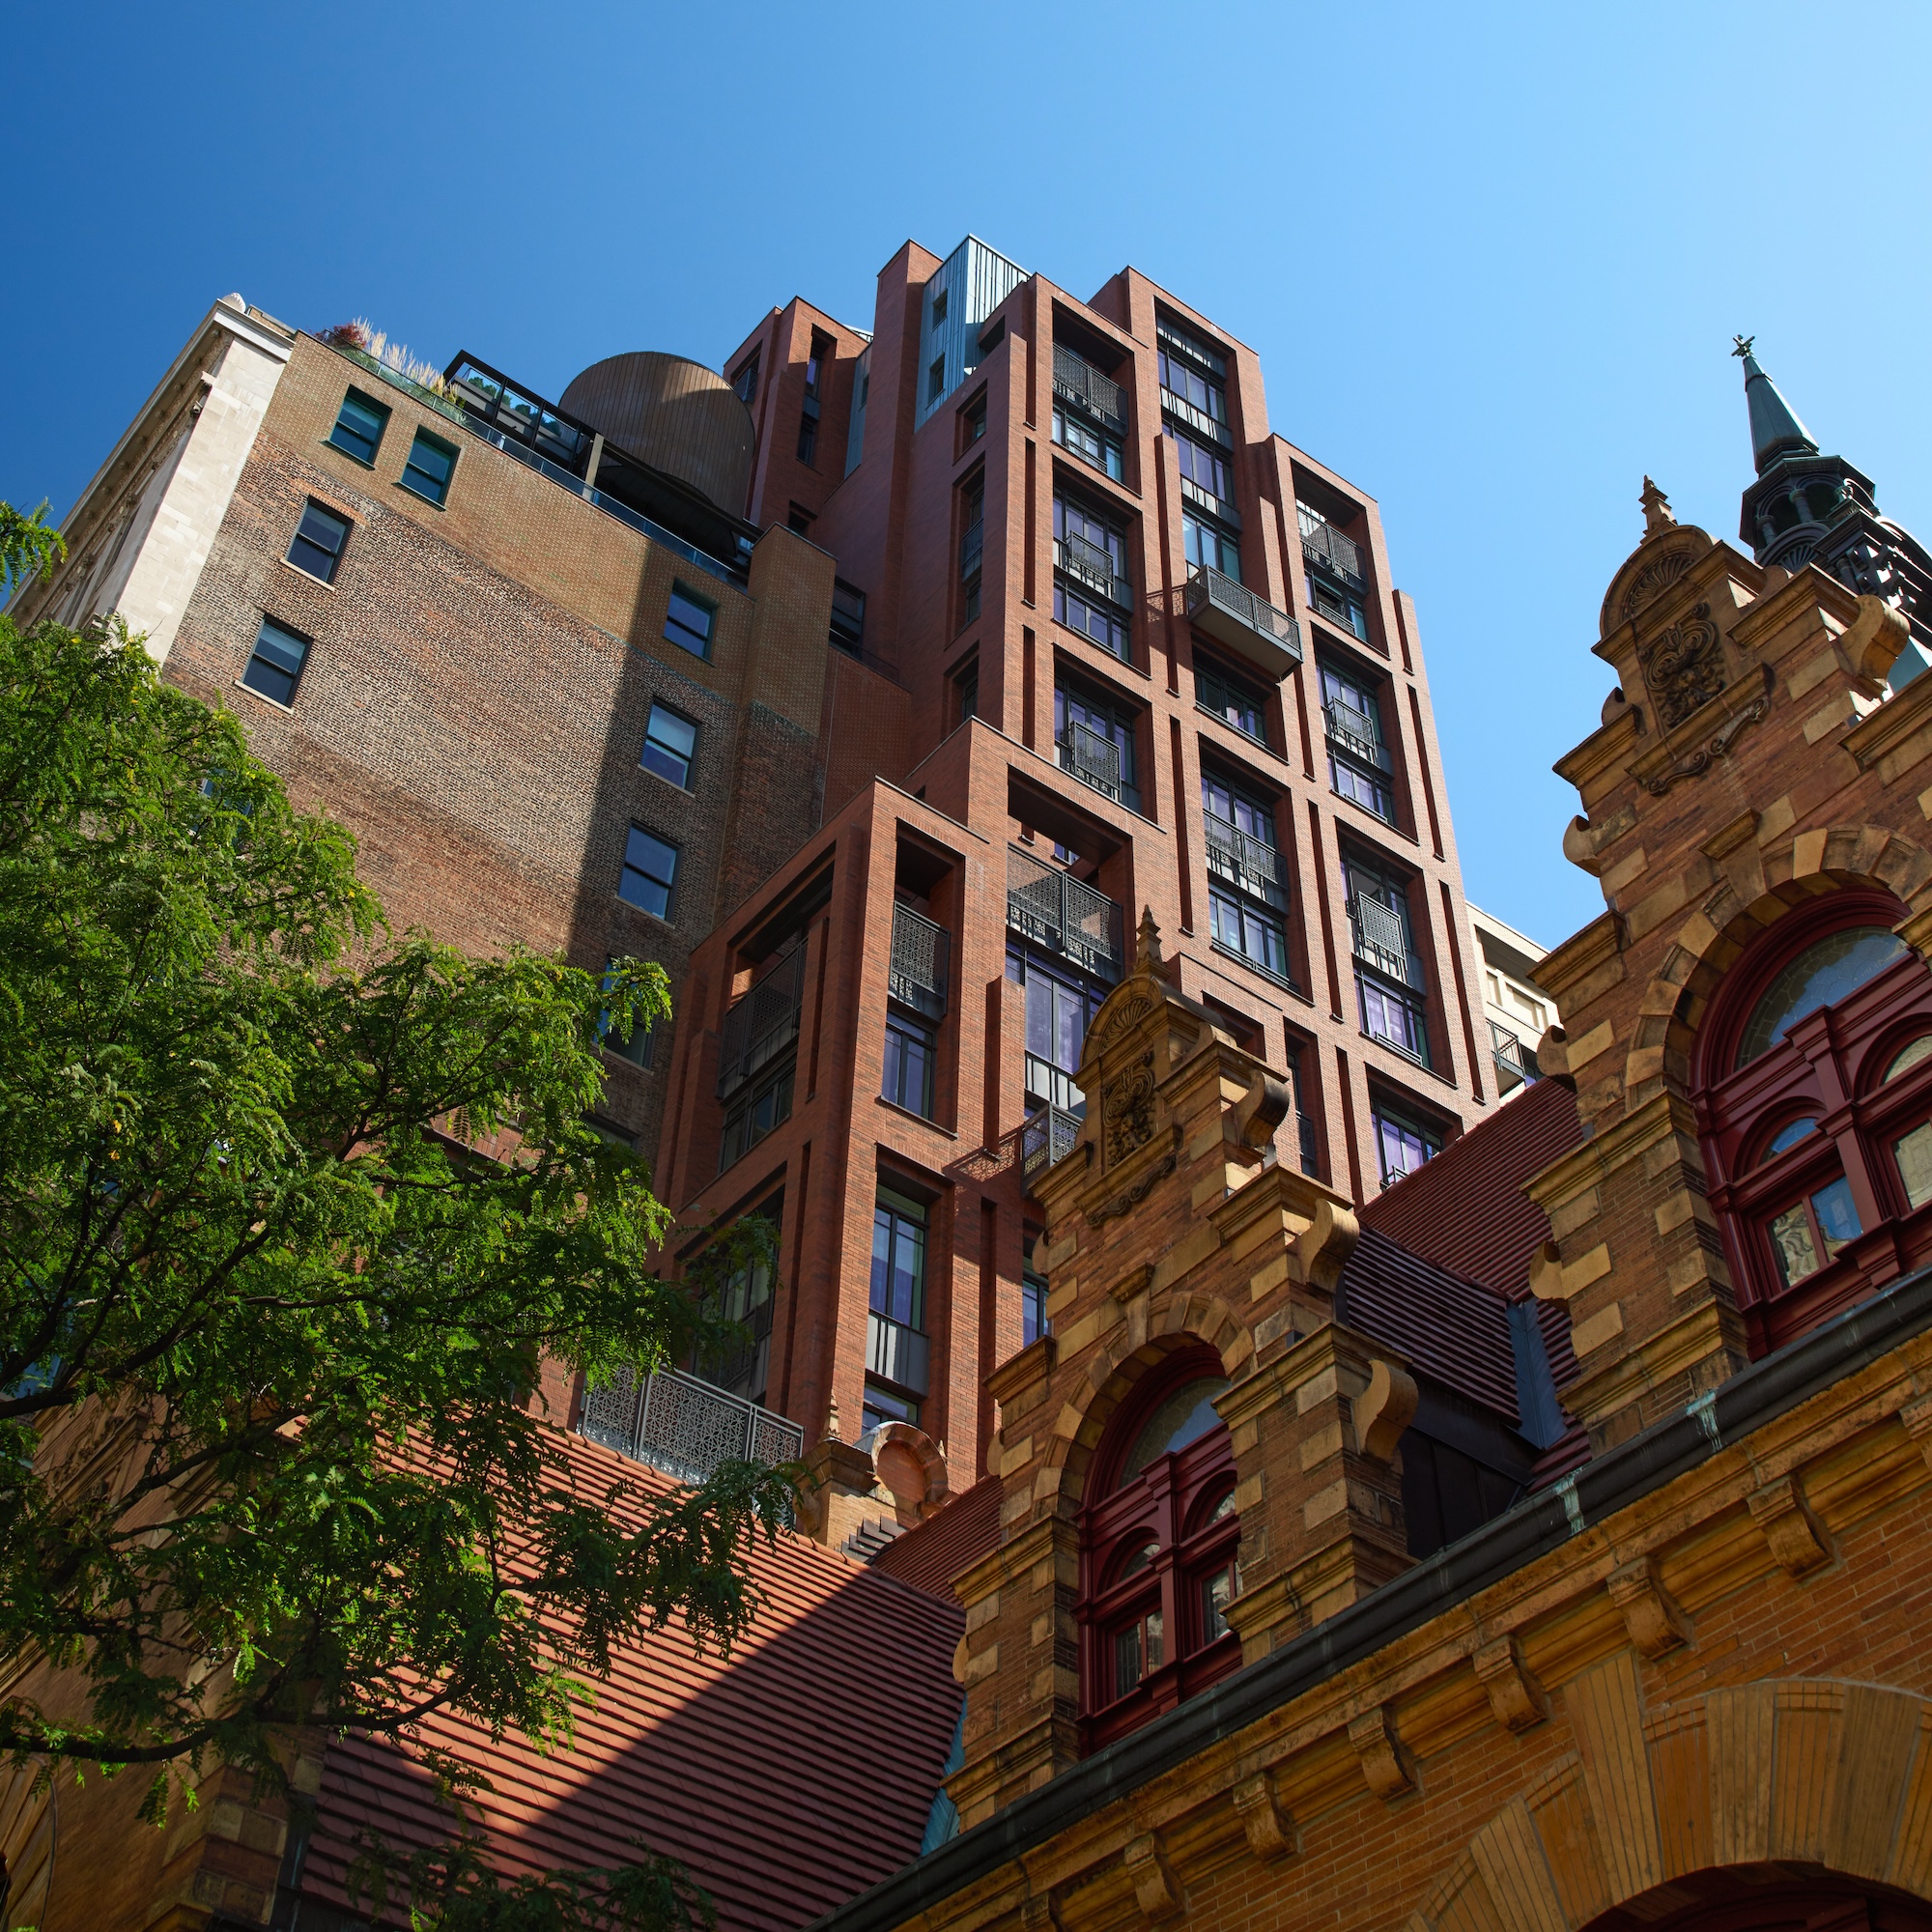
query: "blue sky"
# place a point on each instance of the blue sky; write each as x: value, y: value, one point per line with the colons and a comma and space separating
x: 1491, y: 257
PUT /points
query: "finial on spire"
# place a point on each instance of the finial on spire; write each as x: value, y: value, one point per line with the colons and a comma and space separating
x: 1656, y: 514
x: 1775, y: 431
x: 1148, y: 958
x: 1744, y: 343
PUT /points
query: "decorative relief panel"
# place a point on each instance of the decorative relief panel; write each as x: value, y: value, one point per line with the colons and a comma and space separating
x: 1684, y: 666
x: 1657, y: 575
x: 1126, y: 1105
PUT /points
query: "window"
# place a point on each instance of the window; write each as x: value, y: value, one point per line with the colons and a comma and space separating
x: 1359, y: 765
x: 1228, y: 698
x: 689, y: 620
x: 638, y: 1047
x: 319, y: 541
x: 1090, y: 593
x: 1059, y: 1007
x: 1247, y: 887
x: 1192, y: 373
x: 754, y: 1110
x: 650, y: 870
x: 967, y: 684
x: 1813, y: 1087
x: 896, y: 1354
x: 911, y: 1051
x: 884, y: 1405
x: 1205, y: 467
x: 848, y: 616
x: 360, y: 424
x: 275, y: 666
x: 670, y: 743
x: 971, y: 547
x: 1158, y: 1541
x: 745, y: 381
x: 1034, y: 1322
x: 1403, y: 1142
x: 799, y: 522
x: 743, y: 1296
x: 939, y: 308
x: 432, y: 463
x: 973, y: 421
x: 808, y: 439
x: 1208, y: 546
x: 935, y: 380
x: 1095, y: 740
x: 1389, y: 981
x: 1091, y: 445
x: 822, y: 347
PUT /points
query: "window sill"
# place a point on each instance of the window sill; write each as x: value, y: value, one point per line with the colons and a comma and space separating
x: 1408, y: 1058
x: 1242, y: 738
x: 643, y: 912
x: 1100, y: 651
x: 907, y: 1114
x: 683, y: 791
x: 308, y: 577
x: 262, y: 697
x: 1261, y: 972
x: 1375, y: 818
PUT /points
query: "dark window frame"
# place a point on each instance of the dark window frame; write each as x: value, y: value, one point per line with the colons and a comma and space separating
x: 666, y: 749
x: 344, y: 437
x: 631, y: 865
x: 312, y: 508
x: 676, y: 630
x: 273, y: 669
x: 431, y: 489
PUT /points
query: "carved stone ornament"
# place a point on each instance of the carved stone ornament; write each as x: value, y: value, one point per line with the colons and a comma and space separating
x: 1130, y: 1197
x: 1684, y: 666
x: 1657, y: 575
x: 1126, y: 1103
x: 1127, y: 1015
x: 1718, y: 745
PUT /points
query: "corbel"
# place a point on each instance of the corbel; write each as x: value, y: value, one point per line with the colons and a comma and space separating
x: 1156, y: 1886
x: 1254, y: 1120
x: 1270, y: 1830
x: 1516, y: 1698
x: 1039, y: 1913
x: 1796, y: 1537
x: 1384, y: 1409
x: 1385, y: 1763
x: 1656, y: 1623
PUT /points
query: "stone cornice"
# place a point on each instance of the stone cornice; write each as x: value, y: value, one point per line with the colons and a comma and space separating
x: 1039, y: 1542
x: 1632, y: 1136
x: 1605, y: 750
x: 1884, y: 729
x: 1763, y: 616
x: 1579, y: 955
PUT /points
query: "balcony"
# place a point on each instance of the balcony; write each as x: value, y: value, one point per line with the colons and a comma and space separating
x: 1334, y: 609
x: 1217, y: 507
x: 1061, y: 914
x: 1382, y: 941
x: 763, y: 1024
x: 1198, y: 420
x: 1076, y: 381
x: 1248, y: 625
x: 920, y: 955
x: 1357, y: 734
x: 1092, y: 760
x: 1248, y: 863
x: 896, y: 1354
x: 686, y: 1427
x: 1092, y: 567
x: 1516, y: 1062
x: 1048, y: 1136
x: 1324, y: 546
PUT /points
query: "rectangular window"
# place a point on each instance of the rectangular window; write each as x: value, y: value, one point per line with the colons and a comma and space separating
x: 1209, y: 547
x: 1388, y: 973
x: 1250, y: 931
x: 650, y: 873
x: 1230, y: 698
x: 1095, y: 741
x: 884, y: 1405
x: 755, y: 1109
x: 687, y: 621
x: 1247, y: 892
x: 808, y: 439
x: 745, y: 381
x: 910, y: 1053
x: 670, y: 743
x: 638, y: 1048
x: 1402, y: 1143
x: 319, y: 541
x: 898, y: 1259
x: 1033, y: 1308
x: 848, y: 616
x: 1091, y: 445
x: 967, y: 685
x: 275, y: 667
x: 1059, y: 1007
x: 1090, y: 593
x: 935, y: 380
x: 1359, y: 765
x: 1193, y: 374
x: 973, y: 425
x: 432, y: 463
x: 1205, y: 468
x: 360, y: 424
x: 822, y: 347
x: 972, y: 551
x: 743, y: 1298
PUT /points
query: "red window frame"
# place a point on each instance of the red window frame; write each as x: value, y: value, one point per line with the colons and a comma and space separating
x: 1830, y: 1067
x: 1175, y: 1505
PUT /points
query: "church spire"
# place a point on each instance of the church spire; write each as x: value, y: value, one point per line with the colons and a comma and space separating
x: 1775, y: 431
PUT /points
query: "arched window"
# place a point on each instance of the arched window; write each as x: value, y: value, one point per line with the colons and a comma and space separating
x: 1159, y: 1538
x: 1814, y: 1101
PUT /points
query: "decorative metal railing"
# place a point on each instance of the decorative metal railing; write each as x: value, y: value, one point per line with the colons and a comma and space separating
x: 920, y: 955
x: 1325, y: 544
x: 1077, y: 380
x: 1061, y: 914
x: 1338, y: 610
x: 896, y: 1354
x: 1382, y: 941
x: 1091, y: 758
x: 1516, y: 1062
x: 1243, y: 859
x: 686, y: 1427
x: 1208, y: 589
x: 1199, y: 420
x: 1051, y: 1086
x: 759, y: 1027
x: 1356, y: 733
x: 1094, y: 566
x: 1046, y: 1137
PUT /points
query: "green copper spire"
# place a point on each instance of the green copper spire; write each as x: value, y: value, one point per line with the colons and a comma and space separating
x: 1775, y: 430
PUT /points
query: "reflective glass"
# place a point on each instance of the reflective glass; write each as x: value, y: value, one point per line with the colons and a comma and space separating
x: 650, y: 870
x: 1903, y: 1062
x: 1913, y: 1155
x: 669, y: 744
x: 276, y: 667
x: 1186, y: 1415
x: 1825, y: 972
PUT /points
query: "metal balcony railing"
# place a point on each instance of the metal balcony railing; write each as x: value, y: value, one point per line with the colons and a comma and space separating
x: 1091, y: 758
x: 896, y: 1354
x: 1051, y: 1086
x: 1246, y: 623
x: 1075, y: 379
x: 1356, y: 733
x: 1093, y: 566
x: 1382, y: 941
x: 1516, y: 1062
x: 1061, y: 912
x: 1047, y: 1137
x: 761, y: 1025
x: 1198, y: 420
x: 1337, y: 610
x: 1243, y: 859
x: 1321, y: 541
x: 686, y: 1427
x: 971, y: 545
x: 921, y: 953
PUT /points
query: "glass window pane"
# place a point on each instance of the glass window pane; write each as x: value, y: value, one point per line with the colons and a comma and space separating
x: 688, y: 622
x: 1913, y: 1155
x: 359, y: 427
x: 669, y: 742
x: 1838, y: 1215
x: 1822, y: 974
x: 1913, y: 1056
x: 1791, y: 1241
x: 431, y: 465
x: 650, y: 870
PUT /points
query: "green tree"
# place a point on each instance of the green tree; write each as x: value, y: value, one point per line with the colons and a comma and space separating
x: 290, y: 1214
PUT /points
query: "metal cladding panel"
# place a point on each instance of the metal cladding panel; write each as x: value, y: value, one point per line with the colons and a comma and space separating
x: 724, y: 1764
x: 974, y: 280
x: 855, y: 437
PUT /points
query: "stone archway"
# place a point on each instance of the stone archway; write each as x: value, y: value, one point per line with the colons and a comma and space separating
x: 1757, y: 889
x: 1812, y: 1775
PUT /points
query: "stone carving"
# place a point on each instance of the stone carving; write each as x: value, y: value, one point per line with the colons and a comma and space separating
x: 1714, y: 747
x: 1127, y: 1102
x: 1126, y: 1015
x: 1684, y: 666
x: 1131, y: 1197
x: 1659, y: 573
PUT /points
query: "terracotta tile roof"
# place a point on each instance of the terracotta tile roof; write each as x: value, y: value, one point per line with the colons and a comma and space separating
x: 931, y: 1553
x: 788, y: 1778
x: 1465, y: 1209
